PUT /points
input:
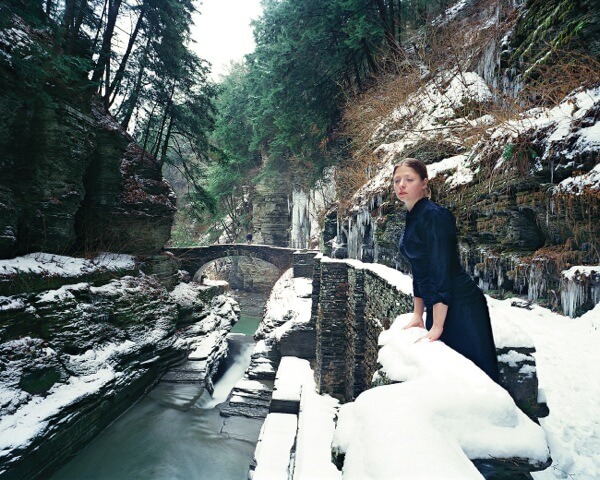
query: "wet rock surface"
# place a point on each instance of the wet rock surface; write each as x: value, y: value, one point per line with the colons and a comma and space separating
x: 71, y: 178
x: 251, y: 396
x: 76, y: 357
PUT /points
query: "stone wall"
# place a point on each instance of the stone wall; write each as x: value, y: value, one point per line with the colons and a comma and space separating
x: 354, y: 305
x: 332, y: 356
x: 353, y: 302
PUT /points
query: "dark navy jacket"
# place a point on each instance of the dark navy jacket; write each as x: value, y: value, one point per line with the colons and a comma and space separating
x: 429, y: 242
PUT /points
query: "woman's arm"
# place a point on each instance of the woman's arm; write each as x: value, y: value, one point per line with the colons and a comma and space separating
x: 440, y: 248
x: 439, y: 318
x: 418, y: 309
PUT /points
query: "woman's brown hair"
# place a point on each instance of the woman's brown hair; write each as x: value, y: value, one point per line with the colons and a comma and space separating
x: 418, y: 166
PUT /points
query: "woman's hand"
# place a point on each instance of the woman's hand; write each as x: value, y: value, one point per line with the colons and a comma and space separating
x: 439, y: 318
x: 432, y: 335
x: 415, y: 321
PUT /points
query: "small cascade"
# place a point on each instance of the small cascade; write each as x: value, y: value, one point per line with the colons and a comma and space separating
x: 241, y: 353
x: 176, y: 430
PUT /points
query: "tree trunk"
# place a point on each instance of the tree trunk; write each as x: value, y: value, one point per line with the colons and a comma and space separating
x: 49, y: 5
x: 392, y: 20
x: 389, y: 35
x: 163, y: 122
x: 68, y: 16
x: 147, y: 130
x: 80, y: 16
x: 357, y: 74
x: 113, y: 90
x: 100, y: 22
x: 78, y: 21
x: 104, y: 55
x: 136, y: 88
x: 106, y: 84
x: 165, y: 145
x: 399, y: 22
x: 370, y: 59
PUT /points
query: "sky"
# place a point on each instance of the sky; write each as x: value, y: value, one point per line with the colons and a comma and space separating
x: 222, y: 31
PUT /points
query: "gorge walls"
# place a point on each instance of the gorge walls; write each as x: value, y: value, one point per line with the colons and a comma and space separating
x: 77, y: 355
x: 71, y: 179
x: 523, y: 183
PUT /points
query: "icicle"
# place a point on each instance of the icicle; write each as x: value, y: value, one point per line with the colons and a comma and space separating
x: 300, y: 233
x: 537, y: 280
x: 579, y: 285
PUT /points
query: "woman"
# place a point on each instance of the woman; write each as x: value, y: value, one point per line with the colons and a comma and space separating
x: 457, y: 312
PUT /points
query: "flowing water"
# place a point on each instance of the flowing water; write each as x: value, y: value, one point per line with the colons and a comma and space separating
x: 174, y: 432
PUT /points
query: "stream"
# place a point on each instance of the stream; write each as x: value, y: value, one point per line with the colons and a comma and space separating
x: 174, y: 432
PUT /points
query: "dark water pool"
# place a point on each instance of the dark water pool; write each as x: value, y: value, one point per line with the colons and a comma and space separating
x: 173, y: 433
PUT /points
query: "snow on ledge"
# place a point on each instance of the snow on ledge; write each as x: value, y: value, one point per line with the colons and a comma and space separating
x: 19, y: 429
x: 47, y: 264
x: 446, y: 406
x: 274, y: 448
x: 400, y: 281
x: 305, y: 437
x: 578, y: 184
x: 580, y: 270
x: 288, y: 305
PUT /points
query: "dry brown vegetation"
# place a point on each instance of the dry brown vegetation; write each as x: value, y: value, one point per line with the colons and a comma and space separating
x: 424, y: 57
x: 458, y: 49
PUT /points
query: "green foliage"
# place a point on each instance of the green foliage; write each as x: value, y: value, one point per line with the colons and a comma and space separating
x: 31, y: 12
x: 233, y: 132
x: 35, y: 70
x: 278, y: 112
x: 299, y: 69
x: 284, y: 103
x: 152, y: 81
x: 281, y: 104
x: 171, y: 96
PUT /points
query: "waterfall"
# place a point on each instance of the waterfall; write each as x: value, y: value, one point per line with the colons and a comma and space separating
x: 241, y: 355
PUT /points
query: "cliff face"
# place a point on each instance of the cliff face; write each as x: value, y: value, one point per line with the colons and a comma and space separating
x: 524, y: 184
x: 70, y: 177
x: 75, y: 357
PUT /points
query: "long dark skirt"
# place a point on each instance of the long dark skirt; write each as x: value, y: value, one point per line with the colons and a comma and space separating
x: 468, y: 330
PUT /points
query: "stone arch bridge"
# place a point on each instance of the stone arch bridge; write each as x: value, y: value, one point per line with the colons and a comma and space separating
x: 193, y: 258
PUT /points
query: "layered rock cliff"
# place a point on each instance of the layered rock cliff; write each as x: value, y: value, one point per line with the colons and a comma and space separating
x: 77, y: 356
x: 70, y: 177
x: 523, y: 183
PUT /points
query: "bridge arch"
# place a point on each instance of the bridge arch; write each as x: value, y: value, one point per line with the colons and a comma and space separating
x: 193, y: 259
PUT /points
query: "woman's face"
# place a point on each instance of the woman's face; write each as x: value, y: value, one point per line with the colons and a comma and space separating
x: 409, y: 187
